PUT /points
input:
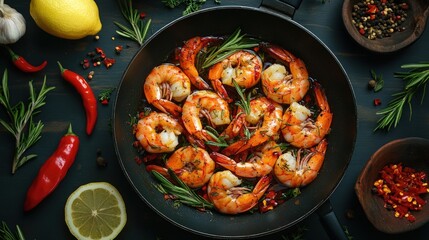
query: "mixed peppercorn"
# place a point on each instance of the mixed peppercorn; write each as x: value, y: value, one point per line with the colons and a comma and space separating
x: 376, y: 19
x: 401, y: 189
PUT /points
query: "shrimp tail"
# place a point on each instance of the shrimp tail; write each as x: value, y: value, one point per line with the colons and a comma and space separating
x: 158, y: 169
x: 278, y: 53
x: 224, y: 161
x: 187, y: 57
x: 242, y: 145
x: 220, y: 90
x: 168, y: 107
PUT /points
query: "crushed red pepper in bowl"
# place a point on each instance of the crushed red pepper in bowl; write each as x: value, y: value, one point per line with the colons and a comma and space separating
x: 401, y: 187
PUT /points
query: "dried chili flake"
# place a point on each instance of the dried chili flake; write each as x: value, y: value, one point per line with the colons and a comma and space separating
x: 142, y: 15
x: 118, y: 49
x: 108, y: 62
x: 377, y: 102
x: 401, y: 187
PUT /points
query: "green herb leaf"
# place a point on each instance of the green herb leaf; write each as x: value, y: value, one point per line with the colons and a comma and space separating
x: 182, y: 193
x: 415, y: 80
x: 138, y: 28
x: 379, y: 82
x: 236, y: 41
x: 190, y: 5
x: 7, y: 234
x: 244, y: 102
x: 21, y: 120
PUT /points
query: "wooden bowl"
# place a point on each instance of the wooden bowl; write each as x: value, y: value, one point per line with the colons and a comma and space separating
x: 411, y: 152
x: 414, y: 26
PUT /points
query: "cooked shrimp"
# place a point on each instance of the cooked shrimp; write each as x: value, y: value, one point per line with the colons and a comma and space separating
x: 300, y: 170
x: 300, y: 129
x: 280, y: 85
x: 158, y: 132
x: 260, y: 162
x: 244, y: 67
x: 224, y: 191
x: 206, y: 104
x: 187, y: 56
x: 164, y: 83
x: 265, y: 115
x: 193, y: 165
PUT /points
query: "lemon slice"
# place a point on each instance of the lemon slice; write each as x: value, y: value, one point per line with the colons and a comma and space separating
x: 95, y: 211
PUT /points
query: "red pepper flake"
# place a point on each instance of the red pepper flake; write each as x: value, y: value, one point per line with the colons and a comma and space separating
x: 142, y: 15
x: 108, y: 62
x: 401, y: 187
x: 99, y: 50
x: 118, y: 49
x: 377, y: 102
x: 362, y: 31
x: 372, y: 9
x: 138, y: 160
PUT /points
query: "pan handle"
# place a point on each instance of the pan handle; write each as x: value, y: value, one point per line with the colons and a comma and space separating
x: 287, y: 7
x: 330, y: 222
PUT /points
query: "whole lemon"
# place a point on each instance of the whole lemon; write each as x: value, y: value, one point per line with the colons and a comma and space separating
x: 69, y: 19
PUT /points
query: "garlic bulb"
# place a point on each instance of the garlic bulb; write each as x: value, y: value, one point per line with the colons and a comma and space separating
x: 12, y: 24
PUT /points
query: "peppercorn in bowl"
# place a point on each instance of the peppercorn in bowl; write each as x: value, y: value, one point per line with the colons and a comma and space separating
x: 392, y: 187
x: 385, y: 25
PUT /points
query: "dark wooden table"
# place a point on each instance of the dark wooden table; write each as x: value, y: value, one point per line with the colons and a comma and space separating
x: 63, y: 106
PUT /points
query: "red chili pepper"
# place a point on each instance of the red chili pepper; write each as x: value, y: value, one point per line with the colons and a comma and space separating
x: 53, y: 170
x: 85, y: 91
x: 23, y: 65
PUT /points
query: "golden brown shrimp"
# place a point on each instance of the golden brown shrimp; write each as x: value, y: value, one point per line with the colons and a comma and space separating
x: 244, y: 67
x: 280, y: 85
x: 158, y: 132
x: 193, y: 165
x: 187, y: 56
x: 224, y: 191
x: 302, y: 169
x: 300, y: 129
x: 259, y: 163
x: 206, y: 104
x: 164, y: 83
x: 266, y: 115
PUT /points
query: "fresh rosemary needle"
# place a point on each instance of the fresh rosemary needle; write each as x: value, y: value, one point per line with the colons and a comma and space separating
x: 138, y: 28
x: 233, y: 43
x: 415, y: 80
x: 182, y: 192
x: 7, y: 234
x: 21, y: 120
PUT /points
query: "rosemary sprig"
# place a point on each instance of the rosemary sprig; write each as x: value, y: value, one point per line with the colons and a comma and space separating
x: 415, y: 80
x: 138, y: 29
x: 236, y: 41
x: 182, y: 193
x: 7, y: 234
x: 22, y: 117
x: 244, y: 102
x: 220, y: 141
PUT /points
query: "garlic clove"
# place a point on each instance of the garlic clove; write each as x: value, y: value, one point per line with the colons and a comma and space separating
x: 12, y: 25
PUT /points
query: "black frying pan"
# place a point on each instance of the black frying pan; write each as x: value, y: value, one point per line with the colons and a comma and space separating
x: 269, y: 26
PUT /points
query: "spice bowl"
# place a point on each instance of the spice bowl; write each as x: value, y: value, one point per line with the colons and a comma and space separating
x: 412, y: 152
x: 411, y: 26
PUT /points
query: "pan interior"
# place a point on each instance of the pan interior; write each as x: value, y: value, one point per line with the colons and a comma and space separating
x: 322, y: 65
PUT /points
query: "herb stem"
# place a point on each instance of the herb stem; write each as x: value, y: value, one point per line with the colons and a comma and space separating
x: 21, y: 117
x: 236, y: 41
x: 138, y: 30
x: 415, y: 79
